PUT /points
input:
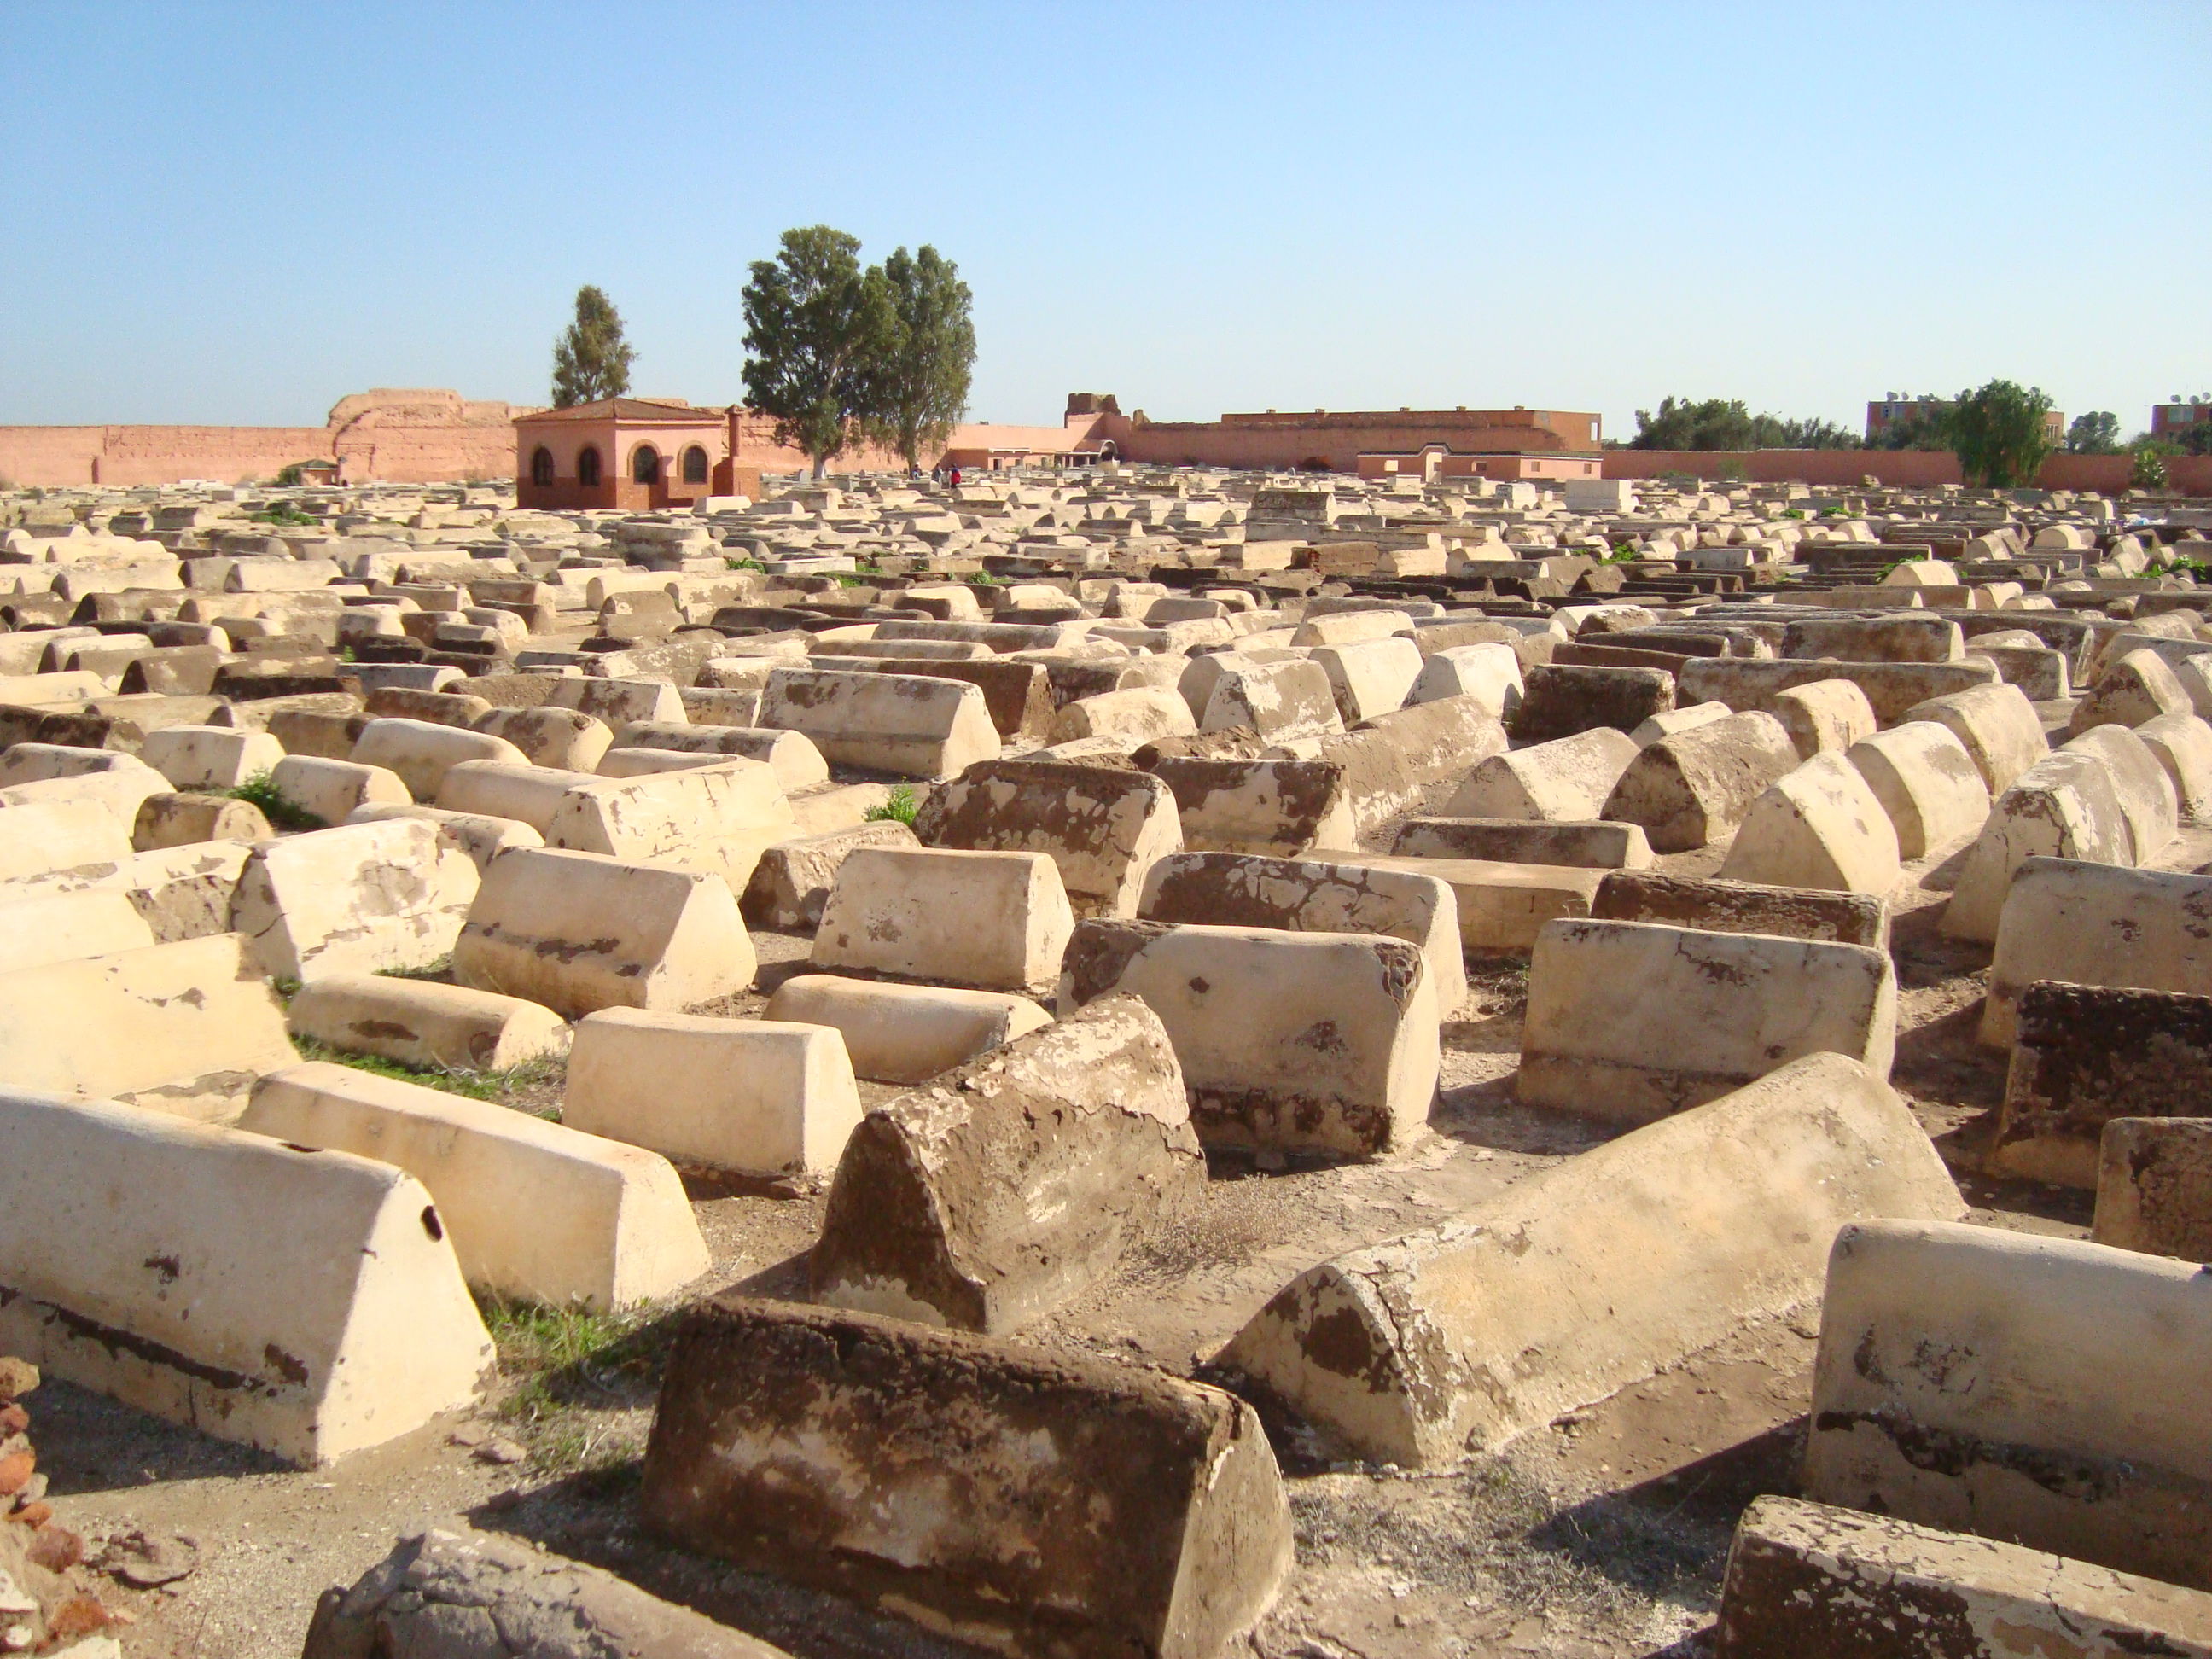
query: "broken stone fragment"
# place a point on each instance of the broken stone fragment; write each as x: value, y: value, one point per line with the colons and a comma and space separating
x: 455, y: 1592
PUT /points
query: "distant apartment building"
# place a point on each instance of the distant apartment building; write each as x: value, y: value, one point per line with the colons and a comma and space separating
x: 1896, y: 407
x: 2172, y: 420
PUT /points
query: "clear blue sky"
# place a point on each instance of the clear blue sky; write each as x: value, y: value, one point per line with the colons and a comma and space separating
x: 238, y: 213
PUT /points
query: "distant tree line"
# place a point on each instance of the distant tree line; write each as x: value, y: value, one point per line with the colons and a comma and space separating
x: 1725, y: 423
x: 2000, y: 433
x: 835, y: 354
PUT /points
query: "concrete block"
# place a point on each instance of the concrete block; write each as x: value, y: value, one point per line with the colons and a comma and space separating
x: 2154, y: 1179
x: 1323, y: 1043
x: 422, y: 1023
x: 476, y: 837
x: 1633, y: 1021
x: 716, y: 819
x: 1559, y: 701
x: 1997, y: 724
x: 119, y: 790
x: 1893, y: 689
x: 2084, y: 1055
x: 353, y: 900
x: 1590, y: 845
x: 44, y: 762
x: 1011, y: 1183
x: 1284, y: 702
x: 564, y: 739
x: 2146, y: 797
x: 212, y: 757
x: 1371, y: 677
x: 420, y: 753
x: 1819, y: 826
x: 183, y: 892
x: 1566, y: 780
x: 1928, y: 785
x: 579, y: 932
x: 1823, y: 715
x: 1712, y: 906
x: 1285, y: 807
x: 769, y: 1408
x: 1103, y: 827
x: 2066, y: 807
x: 797, y: 763
x: 535, y: 1211
x: 1502, y: 906
x: 908, y: 725
x: 180, y: 820
x: 1908, y: 637
x: 763, y: 1098
x: 1818, y: 1583
x: 2097, y: 924
x: 994, y: 921
x: 2137, y: 686
x: 37, y: 840
x: 1354, y: 896
x: 616, y: 702
x: 333, y: 790
x: 1973, y: 1380
x: 1694, y: 787
x: 1136, y: 715
x: 37, y: 929
x: 526, y: 794
x: 905, y: 1033
x: 182, y: 1028
x: 359, y: 1329
x: 1390, y: 764
x: 1584, y: 1278
x: 2181, y: 744
x: 791, y: 884
x: 1490, y: 673
x: 1678, y: 720
x: 446, y: 1587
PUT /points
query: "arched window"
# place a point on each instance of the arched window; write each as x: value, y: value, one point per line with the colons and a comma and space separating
x: 541, y: 466
x: 645, y: 464
x: 695, y: 466
x: 587, y: 467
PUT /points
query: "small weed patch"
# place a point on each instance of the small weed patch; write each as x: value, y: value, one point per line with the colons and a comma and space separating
x: 899, y: 807
x: 279, y: 808
x: 497, y: 1087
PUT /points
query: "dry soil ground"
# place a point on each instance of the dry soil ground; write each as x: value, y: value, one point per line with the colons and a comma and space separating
x: 1603, y: 1534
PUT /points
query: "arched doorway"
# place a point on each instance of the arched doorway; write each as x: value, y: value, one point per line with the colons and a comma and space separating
x: 645, y: 464
x: 587, y: 467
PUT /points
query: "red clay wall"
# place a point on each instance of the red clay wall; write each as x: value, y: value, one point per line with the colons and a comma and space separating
x: 1905, y: 468
x: 426, y: 436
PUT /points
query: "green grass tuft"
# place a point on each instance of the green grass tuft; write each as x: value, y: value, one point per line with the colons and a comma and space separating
x: 493, y: 1086
x: 441, y: 970
x: 899, y: 808
x: 279, y: 808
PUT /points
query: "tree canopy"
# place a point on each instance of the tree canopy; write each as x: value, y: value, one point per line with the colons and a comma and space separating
x: 817, y: 331
x: 2097, y: 433
x: 1726, y: 423
x: 1998, y: 434
x: 919, y: 387
x: 591, y: 360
